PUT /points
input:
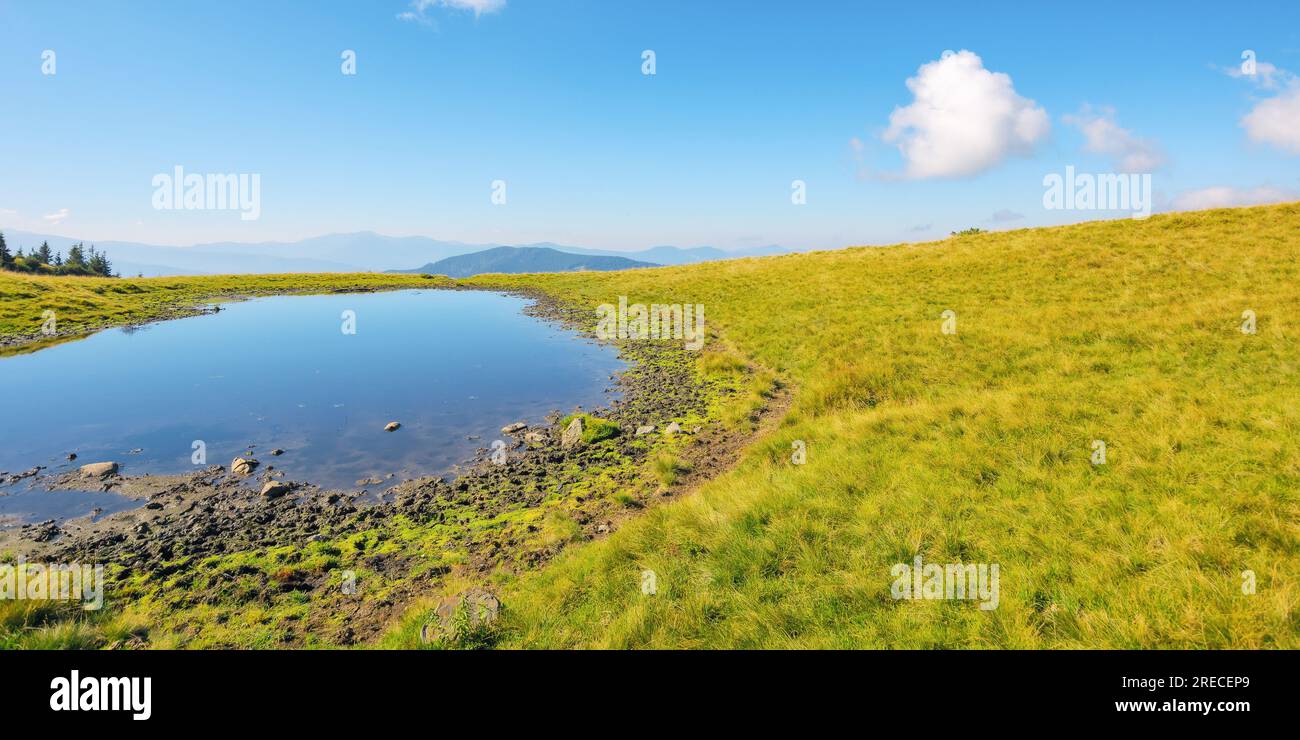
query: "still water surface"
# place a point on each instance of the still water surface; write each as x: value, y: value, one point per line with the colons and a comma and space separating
x: 280, y: 372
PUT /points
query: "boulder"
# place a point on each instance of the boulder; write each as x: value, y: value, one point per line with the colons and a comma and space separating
x: 518, y: 426
x: 98, y: 470
x: 572, y: 434
x: 673, y: 428
x: 242, y: 465
x: 392, y: 426
x: 277, y: 452
x: 274, y: 489
x: 643, y: 430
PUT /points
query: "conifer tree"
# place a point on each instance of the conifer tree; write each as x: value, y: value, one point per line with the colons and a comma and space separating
x: 76, y: 256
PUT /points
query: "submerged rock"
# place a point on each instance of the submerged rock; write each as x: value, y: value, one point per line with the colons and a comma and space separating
x: 392, y: 426
x: 25, y: 474
x: 242, y: 465
x: 98, y: 470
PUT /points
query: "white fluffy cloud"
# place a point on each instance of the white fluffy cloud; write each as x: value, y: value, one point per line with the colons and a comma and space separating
x: 57, y: 217
x: 964, y: 119
x: 1276, y: 120
x: 1103, y: 135
x: 1227, y: 197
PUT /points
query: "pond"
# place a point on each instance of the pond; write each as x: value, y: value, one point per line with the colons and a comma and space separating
x: 318, y: 377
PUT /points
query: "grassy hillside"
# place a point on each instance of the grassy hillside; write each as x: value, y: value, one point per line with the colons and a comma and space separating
x: 971, y: 447
x: 975, y: 448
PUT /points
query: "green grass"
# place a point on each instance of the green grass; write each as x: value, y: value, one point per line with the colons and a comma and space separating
x: 971, y: 447
x: 667, y: 467
x: 594, y: 429
x: 975, y: 447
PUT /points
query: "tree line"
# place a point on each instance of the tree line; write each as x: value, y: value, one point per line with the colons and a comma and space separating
x: 81, y: 260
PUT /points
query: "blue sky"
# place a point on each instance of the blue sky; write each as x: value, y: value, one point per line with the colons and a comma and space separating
x: 550, y: 97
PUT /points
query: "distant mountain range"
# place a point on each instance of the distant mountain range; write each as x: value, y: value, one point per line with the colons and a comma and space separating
x: 523, y: 259
x: 363, y: 251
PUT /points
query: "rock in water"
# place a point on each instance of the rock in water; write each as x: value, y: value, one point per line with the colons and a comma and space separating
x: 392, y: 426
x: 518, y: 426
x: 242, y: 465
x: 98, y: 470
x: 274, y: 489
x: 277, y: 451
x: 572, y: 434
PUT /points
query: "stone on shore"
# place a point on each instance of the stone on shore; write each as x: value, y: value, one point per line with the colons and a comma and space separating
x: 98, y: 470
x: 572, y: 434
x: 275, y: 489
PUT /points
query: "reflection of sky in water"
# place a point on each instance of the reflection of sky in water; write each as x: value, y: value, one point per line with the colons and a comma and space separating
x: 21, y: 503
x: 279, y: 372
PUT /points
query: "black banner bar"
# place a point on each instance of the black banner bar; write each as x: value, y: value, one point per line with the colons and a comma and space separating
x: 936, y: 689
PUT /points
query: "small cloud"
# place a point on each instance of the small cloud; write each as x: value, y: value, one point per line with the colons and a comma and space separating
x: 1229, y: 197
x: 1266, y: 77
x: 1276, y: 121
x: 419, y: 12
x: 1005, y: 215
x: 413, y: 17
x: 921, y: 227
x: 57, y: 217
x: 858, y: 150
x: 1103, y: 135
x: 964, y: 119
